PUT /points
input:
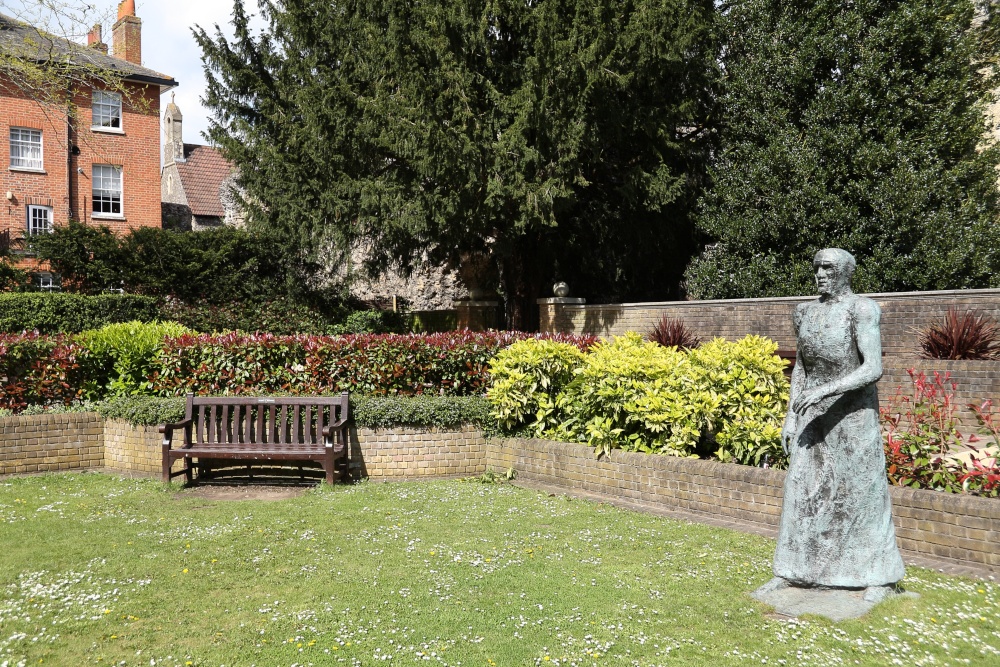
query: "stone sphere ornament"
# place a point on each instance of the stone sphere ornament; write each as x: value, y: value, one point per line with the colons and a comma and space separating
x: 560, y: 289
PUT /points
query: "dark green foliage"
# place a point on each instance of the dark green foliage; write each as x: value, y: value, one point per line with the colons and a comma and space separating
x: 371, y: 321
x: 441, y: 411
x: 71, y: 313
x: 276, y: 316
x: 12, y: 278
x: 89, y: 259
x: 854, y: 125
x: 218, y: 266
x: 565, y: 138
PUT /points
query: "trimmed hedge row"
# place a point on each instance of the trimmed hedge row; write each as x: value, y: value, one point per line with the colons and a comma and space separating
x: 368, y: 411
x: 46, y: 370
x: 453, y: 363
x: 72, y: 313
x: 55, y: 313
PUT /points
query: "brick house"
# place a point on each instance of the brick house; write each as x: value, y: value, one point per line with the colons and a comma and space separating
x: 94, y: 158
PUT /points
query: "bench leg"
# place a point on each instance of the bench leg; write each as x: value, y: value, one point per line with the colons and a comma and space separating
x: 328, y: 465
x: 187, y: 470
x: 166, y: 463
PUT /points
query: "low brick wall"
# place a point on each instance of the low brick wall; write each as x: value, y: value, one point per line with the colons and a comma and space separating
x: 412, y: 452
x: 133, y: 449
x: 83, y: 440
x: 962, y: 529
x: 43, y: 443
x: 903, y: 313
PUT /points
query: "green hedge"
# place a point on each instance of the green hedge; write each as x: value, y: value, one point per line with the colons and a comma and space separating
x: 50, y: 313
x: 368, y: 411
x: 443, y: 411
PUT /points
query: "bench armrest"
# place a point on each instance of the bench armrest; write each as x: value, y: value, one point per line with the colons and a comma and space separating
x: 339, y: 427
x: 168, y: 431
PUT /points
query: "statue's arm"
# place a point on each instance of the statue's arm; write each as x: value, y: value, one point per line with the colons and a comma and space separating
x: 868, y: 337
x: 798, y: 380
x: 867, y: 321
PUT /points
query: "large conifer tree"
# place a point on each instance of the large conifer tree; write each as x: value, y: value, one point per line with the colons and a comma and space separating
x: 562, y: 138
x: 857, y: 124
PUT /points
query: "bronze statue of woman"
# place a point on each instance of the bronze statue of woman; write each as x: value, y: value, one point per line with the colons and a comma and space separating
x: 836, y: 519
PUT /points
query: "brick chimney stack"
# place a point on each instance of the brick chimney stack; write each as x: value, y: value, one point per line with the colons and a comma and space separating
x: 94, y: 39
x: 126, y: 34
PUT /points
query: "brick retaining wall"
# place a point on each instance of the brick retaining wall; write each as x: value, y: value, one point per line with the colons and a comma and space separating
x: 962, y: 529
x: 903, y: 313
x: 44, y: 443
x: 80, y: 440
x: 410, y: 452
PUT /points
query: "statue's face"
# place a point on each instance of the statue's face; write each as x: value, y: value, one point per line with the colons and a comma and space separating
x: 831, y: 277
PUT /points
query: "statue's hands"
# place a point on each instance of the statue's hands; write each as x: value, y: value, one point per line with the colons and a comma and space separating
x: 788, y: 432
x: 807, y: 399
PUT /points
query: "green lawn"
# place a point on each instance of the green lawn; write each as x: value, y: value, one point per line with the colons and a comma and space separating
x: 102, y: 570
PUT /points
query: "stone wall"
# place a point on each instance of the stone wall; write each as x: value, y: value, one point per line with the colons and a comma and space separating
x: 45, y: 443
x: 412, y: 452
x: 961, y: 529
x: 903, y: 314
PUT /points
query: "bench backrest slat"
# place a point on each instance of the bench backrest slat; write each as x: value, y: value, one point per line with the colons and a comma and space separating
x: 251, y: 422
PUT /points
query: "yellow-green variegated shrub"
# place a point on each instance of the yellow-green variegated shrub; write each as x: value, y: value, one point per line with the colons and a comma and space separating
x: 526, y: 377
x: 634, y: 395
x: 750, y: 396
x: 724, y: 399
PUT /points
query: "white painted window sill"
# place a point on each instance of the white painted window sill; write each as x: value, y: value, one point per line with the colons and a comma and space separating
x: 30, y: 170
x: 106, y: 216
x: 107, y: 130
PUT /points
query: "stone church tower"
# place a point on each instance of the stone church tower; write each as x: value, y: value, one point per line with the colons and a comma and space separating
x: 173, y: 137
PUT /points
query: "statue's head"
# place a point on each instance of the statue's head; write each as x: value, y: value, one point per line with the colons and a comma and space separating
x: 834, y: 268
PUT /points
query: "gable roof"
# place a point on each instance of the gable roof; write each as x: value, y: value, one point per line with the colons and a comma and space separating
x: 19, y: 39
x: 202, y: 175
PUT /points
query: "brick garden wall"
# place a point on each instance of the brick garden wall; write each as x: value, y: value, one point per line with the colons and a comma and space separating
x: 46, y: 443
x: 963, y: 529
x: 411, y: 452
x: 902, y: 314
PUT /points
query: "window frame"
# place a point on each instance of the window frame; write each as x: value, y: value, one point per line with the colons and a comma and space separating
x: 98, y: 100
x: 20, y: 142
x: 31, y: 229
x: 94, y: 176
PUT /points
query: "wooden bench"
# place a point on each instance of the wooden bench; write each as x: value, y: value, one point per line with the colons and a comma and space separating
x: 259, y: 429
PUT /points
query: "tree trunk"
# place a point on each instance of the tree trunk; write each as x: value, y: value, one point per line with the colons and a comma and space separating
x: 521, y: 278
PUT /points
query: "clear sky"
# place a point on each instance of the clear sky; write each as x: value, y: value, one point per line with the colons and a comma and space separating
x: 167, y: 43
x: 169, y: 47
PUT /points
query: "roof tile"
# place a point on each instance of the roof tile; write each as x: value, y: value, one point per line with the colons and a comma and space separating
x: 201, y: 177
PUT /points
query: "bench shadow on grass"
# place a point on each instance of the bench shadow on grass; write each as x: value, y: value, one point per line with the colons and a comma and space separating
x: 260, y: 481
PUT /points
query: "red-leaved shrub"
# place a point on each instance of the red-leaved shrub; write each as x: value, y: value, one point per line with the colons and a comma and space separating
x: 37, y: 369
x: 450, y: 363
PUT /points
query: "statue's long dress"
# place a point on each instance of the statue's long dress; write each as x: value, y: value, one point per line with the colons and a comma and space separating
x: 836, y: 520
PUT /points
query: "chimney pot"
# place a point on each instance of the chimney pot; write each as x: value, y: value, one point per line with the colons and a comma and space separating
x: 126, y: 8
